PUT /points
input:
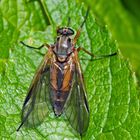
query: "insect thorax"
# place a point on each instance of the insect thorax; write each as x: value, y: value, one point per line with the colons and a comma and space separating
x: 63, y: 47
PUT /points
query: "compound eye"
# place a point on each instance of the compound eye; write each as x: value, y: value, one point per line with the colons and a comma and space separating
x: 70, y: 31
x: 60, y: 31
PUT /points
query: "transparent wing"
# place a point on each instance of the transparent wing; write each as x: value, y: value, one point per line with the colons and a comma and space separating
x: 36, y: 104
x: 76, y: 109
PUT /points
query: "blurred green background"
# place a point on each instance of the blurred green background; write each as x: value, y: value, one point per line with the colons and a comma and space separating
x: 123, y: 20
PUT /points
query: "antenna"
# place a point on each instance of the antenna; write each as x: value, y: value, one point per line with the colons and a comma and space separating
x: 85, y: 18
x: 80, y: 28
x: 68, y: 24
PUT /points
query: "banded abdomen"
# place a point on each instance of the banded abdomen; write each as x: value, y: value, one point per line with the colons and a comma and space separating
x: 61, y: 75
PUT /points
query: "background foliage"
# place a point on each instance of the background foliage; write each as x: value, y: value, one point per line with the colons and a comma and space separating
x: 110, y: 82
x: 123, y: 20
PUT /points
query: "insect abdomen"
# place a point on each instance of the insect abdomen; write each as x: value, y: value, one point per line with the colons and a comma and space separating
x: 61, y: 78
x: 59, y: 100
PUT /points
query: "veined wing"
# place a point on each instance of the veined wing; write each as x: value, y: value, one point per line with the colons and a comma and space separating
x: 76, y: 108
x: 36, y: 103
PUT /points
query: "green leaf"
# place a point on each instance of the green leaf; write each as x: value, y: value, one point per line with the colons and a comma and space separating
x: 111, y: 88
x: 123, y: 20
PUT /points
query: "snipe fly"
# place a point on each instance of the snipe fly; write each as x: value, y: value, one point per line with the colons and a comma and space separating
x: 58, y: 84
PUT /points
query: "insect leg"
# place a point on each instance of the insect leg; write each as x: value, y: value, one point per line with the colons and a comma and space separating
x: 89, y: 53
x: 93, y: 56
x: 44, y: 45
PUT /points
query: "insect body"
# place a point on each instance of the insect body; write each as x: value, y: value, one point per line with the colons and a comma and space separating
x: 58, y: 84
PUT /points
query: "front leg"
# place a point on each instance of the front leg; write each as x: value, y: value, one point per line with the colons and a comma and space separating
x: 94, y: 57
x: 43, y: 45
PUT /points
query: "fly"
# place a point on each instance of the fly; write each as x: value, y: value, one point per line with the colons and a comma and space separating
x: 58, y: 84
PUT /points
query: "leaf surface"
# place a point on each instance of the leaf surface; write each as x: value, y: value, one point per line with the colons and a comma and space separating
x: 110, y: 83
